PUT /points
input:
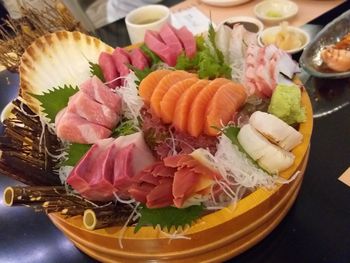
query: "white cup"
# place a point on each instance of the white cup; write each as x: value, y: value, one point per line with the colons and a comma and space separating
x: 149, y: 17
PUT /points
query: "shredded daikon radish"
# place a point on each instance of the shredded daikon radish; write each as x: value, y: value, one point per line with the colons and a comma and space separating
x: 120, y: 200
x: 122, y: 231
x: 177, y: 234
x: 64, y: 172
x: 132, y: 102
x: 239, y: 167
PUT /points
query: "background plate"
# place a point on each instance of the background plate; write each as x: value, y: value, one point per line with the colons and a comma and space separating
x: 225, y: 2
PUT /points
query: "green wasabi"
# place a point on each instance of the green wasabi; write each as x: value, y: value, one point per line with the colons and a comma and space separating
x: 286, y: 104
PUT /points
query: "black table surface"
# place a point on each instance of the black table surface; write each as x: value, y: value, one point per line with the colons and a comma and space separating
x: 316, y: 229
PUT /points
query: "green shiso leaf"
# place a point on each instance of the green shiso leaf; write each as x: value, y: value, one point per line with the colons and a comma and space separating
x: 150, y: 54
x: 95, y: 70
x: 126, y: 127
x: 55, y: 99
x: 167, y: 217
x: 75, y: 153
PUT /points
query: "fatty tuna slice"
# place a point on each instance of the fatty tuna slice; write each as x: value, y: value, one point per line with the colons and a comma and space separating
x: 155, y: 43
x: 188, y: 41
x: 169, y: 37
x: 138, y: 59
x: 109, y: 69
x: 99, y: 92
x: 92, y: 111
x: 73, y: 128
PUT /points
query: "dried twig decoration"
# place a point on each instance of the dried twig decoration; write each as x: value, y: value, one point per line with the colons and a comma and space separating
x: 17, y: 34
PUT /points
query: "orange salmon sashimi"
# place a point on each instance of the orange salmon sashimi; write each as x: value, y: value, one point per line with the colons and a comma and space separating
x: 149, y: 83
x: 164, y: 85
x: 196, y: 119
x: 184, y: 103
x: 226, y: 101
x: 168, y: 103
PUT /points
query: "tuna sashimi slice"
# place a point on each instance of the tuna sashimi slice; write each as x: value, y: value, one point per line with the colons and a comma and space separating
x: 94, y: 112
x: 164, y: 85
x: 154, y: 43
x: 140, y: 191
x: 82, y: 174
x: 73, y: 128
x: 184, y: 185
x: 170, y: 98
x: 226, y: 101
x: 121, y: 60
x: 197, y: 118
x: 188, y: 41
x: 99, y: 92
x: 109, y: 69
x: 133, y: 155
x: 169, y: 37
x: 149, y: 83
x: 138, y: 59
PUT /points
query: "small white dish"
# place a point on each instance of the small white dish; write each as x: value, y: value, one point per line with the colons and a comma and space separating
x: 225, y: 2
x: 273, y: 31
x: 250, y: 23
x: 275, y: 11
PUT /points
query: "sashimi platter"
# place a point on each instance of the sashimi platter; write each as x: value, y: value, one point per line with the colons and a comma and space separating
x: 180, y: 149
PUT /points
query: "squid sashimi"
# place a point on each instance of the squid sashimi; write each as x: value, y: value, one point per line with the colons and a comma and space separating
x: 168, y: 103
x: 164, y: 85
x: 100, y: 93
x: 109, y: 70
x: 196, y: 119
x: 184, y: 103
x: 73, y: 128
x: 149, y: 83
x: 226, y: 101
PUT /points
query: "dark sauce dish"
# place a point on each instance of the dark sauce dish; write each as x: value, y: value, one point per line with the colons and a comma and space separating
x: 251, y: 24
x: 332, y: 33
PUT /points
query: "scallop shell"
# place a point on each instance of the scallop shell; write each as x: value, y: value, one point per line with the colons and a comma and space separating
x: 57, y: 59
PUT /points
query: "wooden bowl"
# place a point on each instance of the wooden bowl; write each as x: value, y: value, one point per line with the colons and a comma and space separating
x: 215, y: 237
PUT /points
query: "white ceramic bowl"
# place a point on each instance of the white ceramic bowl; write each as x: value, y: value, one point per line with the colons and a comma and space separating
x: 243, y: 20
x: 305, y: 38
x: 275, y: 11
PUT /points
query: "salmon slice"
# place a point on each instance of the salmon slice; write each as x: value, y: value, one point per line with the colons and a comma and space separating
x: 164, y: 85
x: 226, y: 101
x: 184, y: 103
x: 148, y: 84
x: 168, y: 103
x: 196, y: 118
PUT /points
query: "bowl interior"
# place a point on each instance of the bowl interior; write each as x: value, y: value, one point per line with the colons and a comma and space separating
x: 250, y: 23
x: 311, y: 58
x: 272, y: 31
x: 275, y: 10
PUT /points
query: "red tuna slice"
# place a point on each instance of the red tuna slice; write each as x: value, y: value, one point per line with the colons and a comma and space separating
x: 138, y: 59
x: 94, y: 112
x: 100, y: 176
x: 121, y: 61
x: 99, y: 92
x: 154, y: 43
x: 109, y: 69
x: 73, y: 128
x: 133, y: 155
x: 84, y: 171
x: 169, y: 37
x: 188, y: 41
x: 161, y: 195
x: 123, y: 171
x: 140, y: 191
